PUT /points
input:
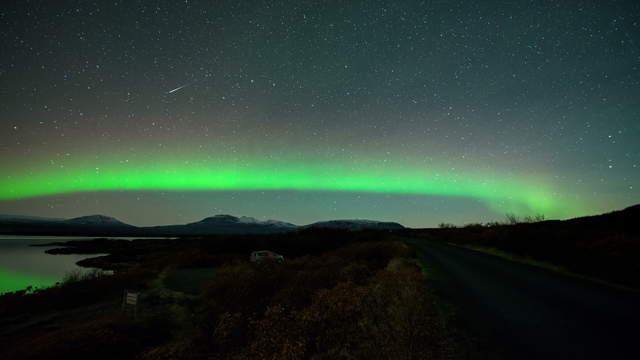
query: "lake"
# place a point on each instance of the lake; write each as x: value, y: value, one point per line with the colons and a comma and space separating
x: 22, y: 265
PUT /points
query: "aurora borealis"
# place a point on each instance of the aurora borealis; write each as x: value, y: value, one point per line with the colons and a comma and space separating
x: 413, y: 111
x: 303, y: 176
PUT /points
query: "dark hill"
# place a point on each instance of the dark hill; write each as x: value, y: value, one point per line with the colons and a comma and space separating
x: 94, y: 225
x: 604, y: 246
x: 101, y: 225
x: 223, y: 224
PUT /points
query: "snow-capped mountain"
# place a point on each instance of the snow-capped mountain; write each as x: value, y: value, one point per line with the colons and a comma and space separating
x: 102, y: 225
x: 225, y: 224
x: 97, y: 220
x: 246, y: 220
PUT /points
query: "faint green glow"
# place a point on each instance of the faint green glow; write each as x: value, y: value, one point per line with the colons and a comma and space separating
x: 13, y: 281
x: 502, y: 192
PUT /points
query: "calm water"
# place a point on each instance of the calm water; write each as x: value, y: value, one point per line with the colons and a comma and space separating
x: 22, y: 265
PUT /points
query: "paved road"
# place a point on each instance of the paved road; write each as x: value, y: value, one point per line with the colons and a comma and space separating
x: 526, y: 312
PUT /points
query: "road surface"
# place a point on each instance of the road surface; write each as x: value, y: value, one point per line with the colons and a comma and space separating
x: 525, y: 312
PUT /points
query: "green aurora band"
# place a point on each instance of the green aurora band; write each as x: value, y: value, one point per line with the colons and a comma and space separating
x: 502, y: 193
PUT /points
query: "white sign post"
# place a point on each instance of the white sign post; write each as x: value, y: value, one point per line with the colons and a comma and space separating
x: 130, y: 301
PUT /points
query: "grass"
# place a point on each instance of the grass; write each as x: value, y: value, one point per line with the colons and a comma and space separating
x: 337, y: 295
x: 79, y: 275
x: 362, y: 301
x: 190, y: 281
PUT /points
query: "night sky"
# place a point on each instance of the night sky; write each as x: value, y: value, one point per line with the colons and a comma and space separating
x: 420, y: 112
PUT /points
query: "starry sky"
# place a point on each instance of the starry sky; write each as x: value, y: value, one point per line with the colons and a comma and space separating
x: 421, y: 112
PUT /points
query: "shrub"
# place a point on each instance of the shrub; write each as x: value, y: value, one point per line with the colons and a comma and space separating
x: 103, y: 338
x: 444, y: 225
x: 365, y: 300
x: 512, y: 219
x: 77, y: 275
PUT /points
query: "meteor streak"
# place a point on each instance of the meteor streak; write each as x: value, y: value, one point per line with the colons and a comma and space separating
x: 178, y: 88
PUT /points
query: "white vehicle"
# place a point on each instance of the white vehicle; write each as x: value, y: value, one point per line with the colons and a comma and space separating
x: 265, y: 255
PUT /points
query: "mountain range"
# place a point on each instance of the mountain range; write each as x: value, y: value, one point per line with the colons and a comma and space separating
x: 100, y: 225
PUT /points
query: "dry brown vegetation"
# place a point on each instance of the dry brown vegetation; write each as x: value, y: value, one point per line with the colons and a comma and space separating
x: 366, y: 299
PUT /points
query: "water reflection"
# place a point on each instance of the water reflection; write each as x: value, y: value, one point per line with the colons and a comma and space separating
x: 22, y: 265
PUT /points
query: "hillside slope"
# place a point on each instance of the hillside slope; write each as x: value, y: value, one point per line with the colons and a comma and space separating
x: 604, y: 246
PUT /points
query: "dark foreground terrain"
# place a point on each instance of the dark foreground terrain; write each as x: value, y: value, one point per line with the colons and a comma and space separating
x: 524, y: 312
x: 586, y: 308
x: 343, y: 294
x: 337, y: 295
x: 606, y: 247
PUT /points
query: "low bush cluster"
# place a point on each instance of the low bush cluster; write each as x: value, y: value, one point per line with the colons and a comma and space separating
x: 109, y: 337
x: 366, y: 300
x: 337, y: 295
